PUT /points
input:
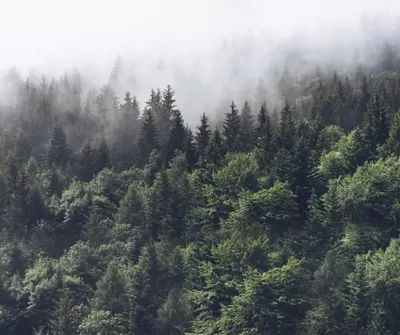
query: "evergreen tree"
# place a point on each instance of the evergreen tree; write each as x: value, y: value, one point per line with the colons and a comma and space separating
x: 145, y: 292
x: 58, y: 153
x: 127, y: 132
x: 148, y: 138
x: 177, y: 137
x: 203, y: 135
x: 286, y: 129
x: 215, y: 150
x: 392, y: 144
x: 231, y: 129
x: 263, y: 135
x: 102, y: 157
x: 375, y: 130
x: 247, y: 127
x: 86, y: 162
x: 190, y: 150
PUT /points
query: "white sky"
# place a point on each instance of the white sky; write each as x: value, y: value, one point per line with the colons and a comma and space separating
x: 40, y: 33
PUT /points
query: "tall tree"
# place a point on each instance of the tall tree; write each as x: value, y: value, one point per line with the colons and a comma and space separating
x: 286, y: 128
x: 102, y: 157
x: 148, y: 138
x: 247, y: 127
x: 58, y: 153
x: 203, y: 135
x: 263, y: 135
x: 176, y: 138
x: 231, y: 129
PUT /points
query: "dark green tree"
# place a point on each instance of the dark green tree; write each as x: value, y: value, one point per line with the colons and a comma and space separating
x: 86, y: 162
x: 102, y: 157
x: 264, y: 136
x: 148, y: 138
x: 58, y: 153
x: 247, y: 127
x: 286, y: 129
x: 177, y: 137
x: 202, y: 136
x: 231, y: 129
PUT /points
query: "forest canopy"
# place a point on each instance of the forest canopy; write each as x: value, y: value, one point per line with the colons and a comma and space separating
x: 274, y: 217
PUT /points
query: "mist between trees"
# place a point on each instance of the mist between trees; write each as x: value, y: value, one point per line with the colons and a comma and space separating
x: 276, y: 212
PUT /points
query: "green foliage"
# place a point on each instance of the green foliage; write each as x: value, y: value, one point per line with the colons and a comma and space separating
x: 136, y: 225
x: 232, y: 129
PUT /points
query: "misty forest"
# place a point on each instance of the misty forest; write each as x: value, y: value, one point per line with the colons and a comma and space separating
x: 277, y: 212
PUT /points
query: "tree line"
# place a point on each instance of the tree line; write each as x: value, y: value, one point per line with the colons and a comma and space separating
x: 118, y: 219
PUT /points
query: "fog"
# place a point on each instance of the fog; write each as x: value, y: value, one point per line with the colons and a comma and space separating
x: 210, y: 51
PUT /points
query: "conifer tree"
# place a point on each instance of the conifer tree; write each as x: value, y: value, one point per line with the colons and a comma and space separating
x: 203, y: 135
x: 102, y: 157
x: 85, y: 162
x: 375, y: 130
x: 145, y: 298
x: 58, y: 153
x: 263, y: 135
x: 148, y: 138
x: 215, y: 150
x: 190, y: 151
x: 177, y: 137
x: 231, y: 129
x: 392, y: 144
x: 286, y: 129
x: 247, y: 127
x: 127, y: 132
x: 164, y: 113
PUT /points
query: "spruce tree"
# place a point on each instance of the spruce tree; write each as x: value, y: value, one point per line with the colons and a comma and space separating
x: 392, y: 144
x: 203, y: 135
x: 58, y: 153
x: 264, y: 135
x: 286, y: 129
x: 102, y: 157
x: 375, y: 130
x: 190, y: 150
x: 231, y: 129
x: 126, y: 132
x: 148, y: 138
x: 247, y: 127
x: 85, y: 162
x: 145, y: 288
x: 215, y: 150
x: 176, y: 138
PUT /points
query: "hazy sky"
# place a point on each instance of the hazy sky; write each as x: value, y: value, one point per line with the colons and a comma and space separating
x: 60, y: 33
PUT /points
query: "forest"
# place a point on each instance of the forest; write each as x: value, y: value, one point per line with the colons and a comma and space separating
x: 273, y: 217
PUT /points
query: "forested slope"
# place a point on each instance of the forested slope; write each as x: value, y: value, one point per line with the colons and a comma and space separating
x: 118, y: 219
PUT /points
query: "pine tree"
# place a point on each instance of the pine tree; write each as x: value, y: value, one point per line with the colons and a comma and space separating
x: 145, y: 292
x: 263, y: 135
x: 58, y: 153
x: 54, y: 185
x: 102, y: 157
x: 107, y: 104
x: 375, y: 130
x: 85, y: 162
x: 392, y: 145
x: 286, y: 129
x: 111, y: 292
x: 202, y: 136
x: 190, y: 151
x: 127, y: 132
x: 231, y: 130
x: 215, y: 150
x: 176, y: 138
x: 148, y: 138
x: 362, y: 106
x: 247, y: 127
x: 164, y: 113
